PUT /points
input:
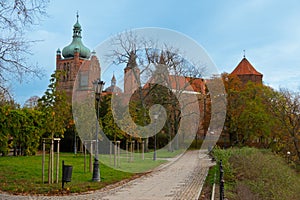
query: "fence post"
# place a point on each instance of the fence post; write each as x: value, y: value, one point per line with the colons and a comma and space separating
x: 57, y: 160
x: 43, y: 161
x: 85, y: 144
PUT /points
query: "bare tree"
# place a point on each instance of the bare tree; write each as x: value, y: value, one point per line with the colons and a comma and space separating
x: 159, y: 68
x: 17, y: 17
x: 286, y: 108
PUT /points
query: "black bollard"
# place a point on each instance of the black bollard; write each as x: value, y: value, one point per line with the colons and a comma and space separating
x: 221, y: 181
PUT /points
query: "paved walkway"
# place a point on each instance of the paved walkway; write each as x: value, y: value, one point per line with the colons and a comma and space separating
x: 181, y: 179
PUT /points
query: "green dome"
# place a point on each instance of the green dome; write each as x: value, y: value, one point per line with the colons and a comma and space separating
x: 76, y: 44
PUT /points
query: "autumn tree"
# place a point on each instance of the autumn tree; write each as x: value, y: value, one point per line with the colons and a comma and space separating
x: 255, y: 121
x: 248, y: 119
x: 285, y: 106
x: 56, y: 109
x: 233, y: 87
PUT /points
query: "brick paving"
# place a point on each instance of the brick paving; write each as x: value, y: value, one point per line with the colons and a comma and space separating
x: 180, y: 179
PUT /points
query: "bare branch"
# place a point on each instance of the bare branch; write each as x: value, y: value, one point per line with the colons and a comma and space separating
x: 17, y: 16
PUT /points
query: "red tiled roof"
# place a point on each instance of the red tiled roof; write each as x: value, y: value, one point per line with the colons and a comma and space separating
x: 245, y: 67
x: 183, y: 83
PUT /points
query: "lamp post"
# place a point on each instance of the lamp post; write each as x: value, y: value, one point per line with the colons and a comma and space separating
x: 75, y: 146
x: 155, y: 119
x: 98, y: 87
x: 288, y: 156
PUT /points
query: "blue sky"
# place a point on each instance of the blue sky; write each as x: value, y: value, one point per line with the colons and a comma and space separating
x: 269, y: 31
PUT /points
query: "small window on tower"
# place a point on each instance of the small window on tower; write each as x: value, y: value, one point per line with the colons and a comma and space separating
x: 84, y: 77
x: 68, y: 71
x: 64, y: 73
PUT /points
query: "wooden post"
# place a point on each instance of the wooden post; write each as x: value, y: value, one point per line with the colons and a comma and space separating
x: 81, y: 146
x: 91, y: 156
x: 43, y: 162
x: 57, y: 159
x: 127, y: 150
x: 52, y: 160
x: 143, y: 150
x: 49, y: 167
x: 132, y: 151
x: 110, y: 152
x: 115, y: 154
x: 118, y: 153
x: 84, y: 156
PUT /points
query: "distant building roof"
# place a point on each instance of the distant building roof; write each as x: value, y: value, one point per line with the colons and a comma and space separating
x: 187, y: 83
x: 245, y: 68
x: 182, y: 83
x: 113, y: 88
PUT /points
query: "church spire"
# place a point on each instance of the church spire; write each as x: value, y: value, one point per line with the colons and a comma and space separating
x: 131, y: 62
x: 76, y: 44
x: 161, y: 59
x: 77, y: 28
x: 113, y: 80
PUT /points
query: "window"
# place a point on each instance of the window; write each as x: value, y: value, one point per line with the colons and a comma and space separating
x: 84, y: 77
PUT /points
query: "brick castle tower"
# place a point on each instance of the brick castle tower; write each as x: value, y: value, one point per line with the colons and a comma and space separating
x: 246, y: 72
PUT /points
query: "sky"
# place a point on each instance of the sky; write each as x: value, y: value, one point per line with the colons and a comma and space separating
x: 268, y: 31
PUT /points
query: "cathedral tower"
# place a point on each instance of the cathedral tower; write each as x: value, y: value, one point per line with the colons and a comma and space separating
x: 73, y: 58
x: 131, y: 75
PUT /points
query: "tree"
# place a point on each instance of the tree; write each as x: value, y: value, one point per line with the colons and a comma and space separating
x: 110, y: 128
x: 26, y: 129
x: 158, y: 66
x: 233, y: 87
x: 285, y: 106
x: 21, y: 130
x: 4, y: 132
x: 255, y: 121
x: 248, y: 119
x: 16, y: 17
x: 56, y: 109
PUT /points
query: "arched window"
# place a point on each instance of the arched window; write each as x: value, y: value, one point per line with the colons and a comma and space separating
x: 64, y: 72
x: 68, y: 71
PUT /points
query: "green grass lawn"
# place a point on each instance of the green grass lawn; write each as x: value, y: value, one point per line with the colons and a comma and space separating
x: 137, y: 164
x: 24, y: 174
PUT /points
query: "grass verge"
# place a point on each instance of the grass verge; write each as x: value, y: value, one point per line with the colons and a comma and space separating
x: 251, y: 173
